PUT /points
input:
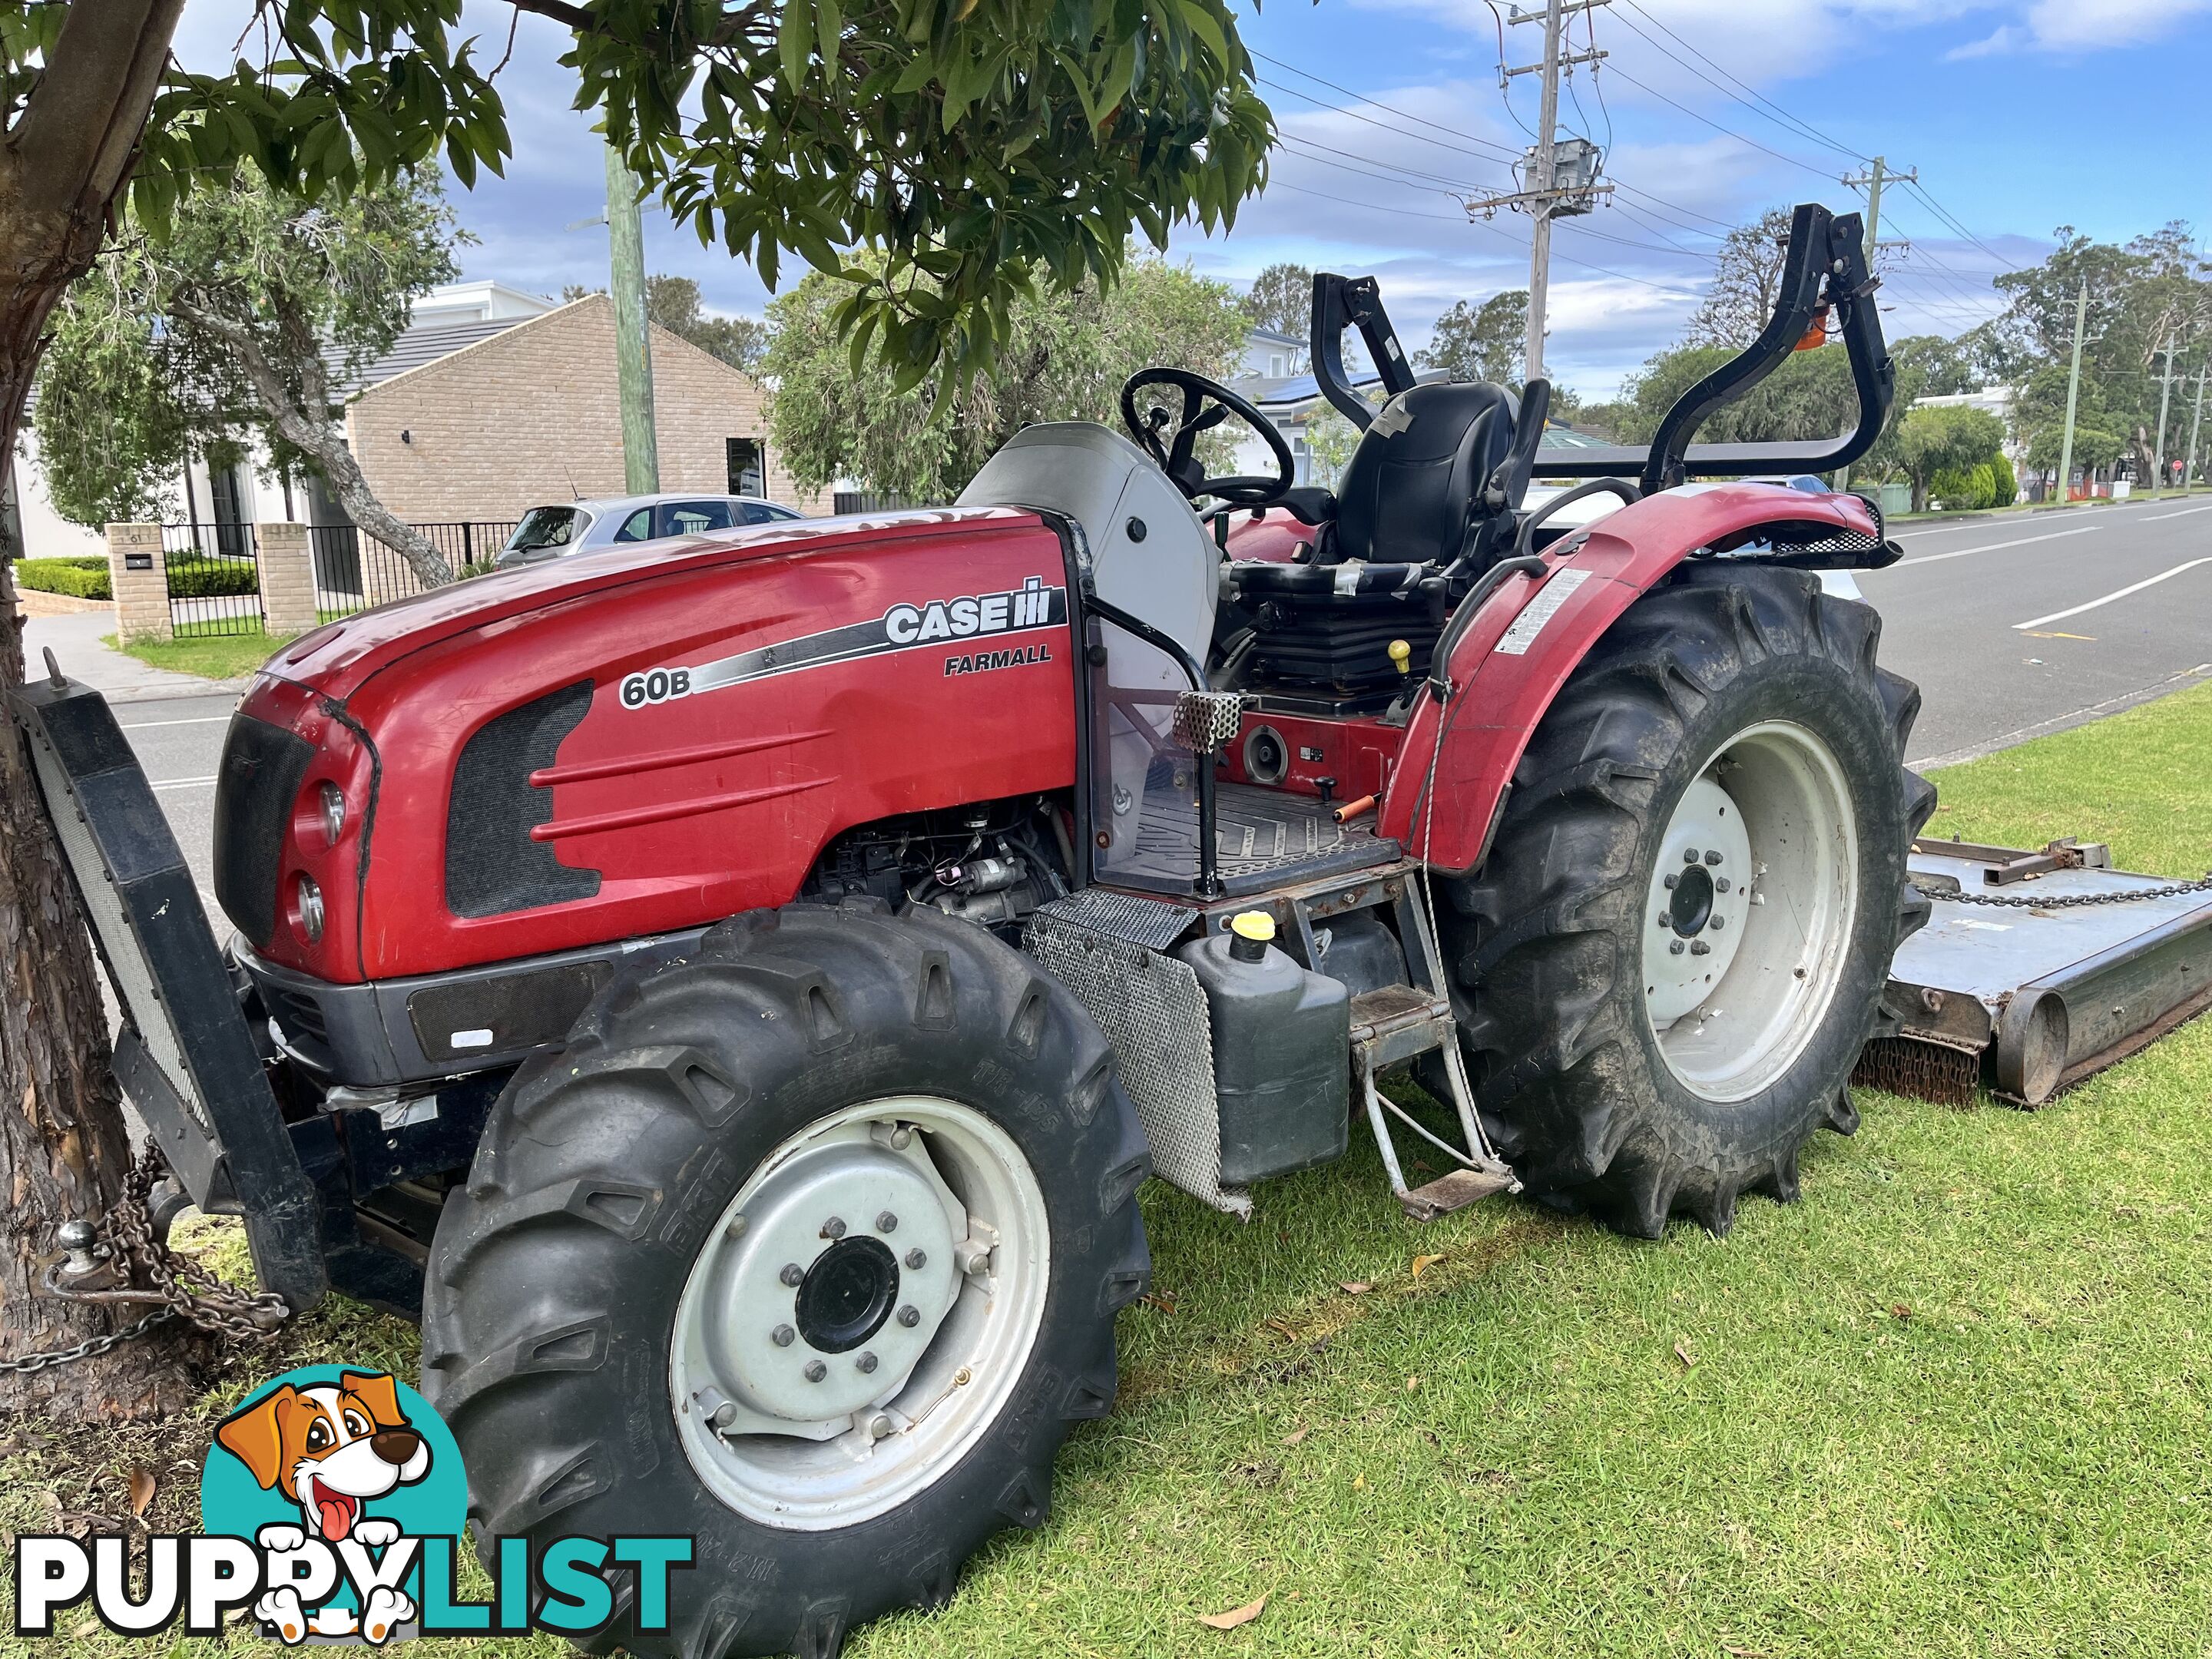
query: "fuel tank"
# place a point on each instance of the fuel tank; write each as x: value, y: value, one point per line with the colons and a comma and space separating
x: 638, y: 741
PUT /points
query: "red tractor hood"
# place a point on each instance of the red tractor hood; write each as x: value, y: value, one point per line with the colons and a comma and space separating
x: 336, y: 659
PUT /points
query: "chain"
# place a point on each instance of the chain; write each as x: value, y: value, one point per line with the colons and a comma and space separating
x: 2068, y: 901
x: 185, y: 1290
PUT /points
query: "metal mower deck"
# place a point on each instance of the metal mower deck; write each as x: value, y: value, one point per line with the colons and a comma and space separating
x: 2030, y: 998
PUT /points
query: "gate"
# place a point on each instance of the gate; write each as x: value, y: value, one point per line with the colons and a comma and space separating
x: 212, y: 573
x: 354, y: 571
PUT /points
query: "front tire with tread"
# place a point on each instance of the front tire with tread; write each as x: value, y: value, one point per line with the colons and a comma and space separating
x: 554, y: 1279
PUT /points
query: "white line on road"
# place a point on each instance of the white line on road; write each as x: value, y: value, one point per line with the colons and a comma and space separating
x: 2183, y: 513
x: 185, y: 783
x: 1995, y: 546
x: 204, y: 720
x: 2137, y: 587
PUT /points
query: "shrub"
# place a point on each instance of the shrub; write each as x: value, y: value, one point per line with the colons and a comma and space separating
x: 2008, y: 486
x: 82, y: 577
x: 193, y: 577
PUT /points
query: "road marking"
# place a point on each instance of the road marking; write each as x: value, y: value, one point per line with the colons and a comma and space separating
x: 1997, y: 547
x: 2137, y: 588
x: 2183, y: 513
x: 1949, y: 529
x: 185, y: 783
x: 2086, y: 638
x: 205, y: 719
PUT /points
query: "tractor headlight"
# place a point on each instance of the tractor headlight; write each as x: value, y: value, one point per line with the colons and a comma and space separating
x: 307, y: 908
x: 333, y: 801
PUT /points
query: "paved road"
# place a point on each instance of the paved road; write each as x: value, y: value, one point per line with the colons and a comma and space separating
x: 2030, y: 622
x: 1950, y: 611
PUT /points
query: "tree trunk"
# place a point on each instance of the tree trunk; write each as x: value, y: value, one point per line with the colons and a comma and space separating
x: 63, y: 1147
x: 302, y: 422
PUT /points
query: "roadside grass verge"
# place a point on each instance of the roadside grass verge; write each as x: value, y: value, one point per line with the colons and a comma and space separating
x: 215, y: 656
x: 1959, y: 1403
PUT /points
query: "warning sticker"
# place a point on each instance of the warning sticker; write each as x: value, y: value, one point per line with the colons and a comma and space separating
x: 1540, y: 610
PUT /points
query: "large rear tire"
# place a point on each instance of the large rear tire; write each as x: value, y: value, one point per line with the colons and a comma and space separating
x: 808, y: 1248
x: 1670, y: 959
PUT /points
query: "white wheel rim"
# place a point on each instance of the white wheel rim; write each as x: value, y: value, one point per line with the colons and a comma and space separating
x: 788, y: 1416
x: 1738, y: 978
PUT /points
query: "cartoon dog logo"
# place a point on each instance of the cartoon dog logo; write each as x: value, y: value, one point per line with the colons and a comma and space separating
x: 331, y: 1449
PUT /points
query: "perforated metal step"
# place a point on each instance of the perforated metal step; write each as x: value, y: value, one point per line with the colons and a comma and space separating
x: 1266, y: 838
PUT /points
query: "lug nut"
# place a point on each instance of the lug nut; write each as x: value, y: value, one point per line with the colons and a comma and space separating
x: 736, y: 1227
x: 1713, y: 857
x: 1720, y: 884
x: 1689, y: 855
x: 886, y: 1223
x: 1671, y: 879
x: 880, y: 1427
x: 867, y: 1363
x: 1699, y: 948
x: 816, y: 1370
x: 1674, y: 949
x: 724, y: 1414
x: 902, y: 1138
x: 1718, y: 923
x: 910, y: 1316
x: 917, y: 1261
x: 833, y: 1227
x: 783, y: 1336
x: 793, y: 1274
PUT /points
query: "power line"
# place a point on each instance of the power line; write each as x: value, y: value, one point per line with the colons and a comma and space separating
x: 1413, y: 174
x: 1502, y: 152
x: 1938, y: 209
x: 1773, y: 111
x: 1794, y: 162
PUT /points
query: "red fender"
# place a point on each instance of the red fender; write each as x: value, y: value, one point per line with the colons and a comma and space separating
x: 1502, y: 686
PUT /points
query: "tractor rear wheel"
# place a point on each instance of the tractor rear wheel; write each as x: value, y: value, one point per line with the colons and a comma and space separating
x: 807, y: 1248
x: 1678, y: 942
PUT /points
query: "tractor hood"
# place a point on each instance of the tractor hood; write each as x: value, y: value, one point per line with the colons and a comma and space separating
x: 627, y: 744
x: 338, y: 659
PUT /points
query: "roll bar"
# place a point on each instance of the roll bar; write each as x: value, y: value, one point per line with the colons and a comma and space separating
x: 1826, y: 269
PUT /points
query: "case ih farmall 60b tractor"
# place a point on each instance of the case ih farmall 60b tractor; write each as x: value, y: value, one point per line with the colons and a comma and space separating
x: 734, y: 991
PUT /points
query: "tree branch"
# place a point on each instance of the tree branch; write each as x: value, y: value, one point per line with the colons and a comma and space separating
x: 81, y: 125
x: 574, y: 17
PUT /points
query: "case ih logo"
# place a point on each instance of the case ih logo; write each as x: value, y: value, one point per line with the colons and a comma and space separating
x: 901, y: 628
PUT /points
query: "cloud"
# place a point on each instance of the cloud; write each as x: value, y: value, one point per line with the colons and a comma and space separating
x: 2005, y: 39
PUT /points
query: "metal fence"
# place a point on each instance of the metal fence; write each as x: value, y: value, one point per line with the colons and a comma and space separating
x: 213, y: 579
x: 354, y: 571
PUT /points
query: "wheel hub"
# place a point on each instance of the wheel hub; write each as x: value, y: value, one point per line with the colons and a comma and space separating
x: 829, y: 1284
x: 1700, y: 894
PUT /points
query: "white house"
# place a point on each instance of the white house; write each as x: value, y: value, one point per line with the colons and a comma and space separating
x: 442, y: 320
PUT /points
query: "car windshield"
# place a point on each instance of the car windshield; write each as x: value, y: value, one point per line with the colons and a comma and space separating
x: 545, y: 526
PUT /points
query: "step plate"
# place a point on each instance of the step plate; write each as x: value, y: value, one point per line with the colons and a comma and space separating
x: 1455, y: 1191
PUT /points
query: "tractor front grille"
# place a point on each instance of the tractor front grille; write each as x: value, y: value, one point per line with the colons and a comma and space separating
x: 255, y: 787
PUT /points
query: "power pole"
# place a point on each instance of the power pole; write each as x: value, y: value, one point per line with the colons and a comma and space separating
x: 2073, y: 391
x: 632, y: 345
x: 2196, y: 424
x: 1561, y: 179
x: 2165, y: 391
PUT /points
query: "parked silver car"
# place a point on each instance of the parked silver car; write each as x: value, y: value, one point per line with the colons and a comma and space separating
x: 555, y: 531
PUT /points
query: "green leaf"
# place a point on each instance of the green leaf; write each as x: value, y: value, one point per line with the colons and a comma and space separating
x: 794, y: 37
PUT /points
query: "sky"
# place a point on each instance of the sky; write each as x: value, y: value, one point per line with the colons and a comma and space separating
x: 2018, y: 115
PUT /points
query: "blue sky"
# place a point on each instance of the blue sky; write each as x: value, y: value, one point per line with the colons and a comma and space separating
x: 2020, y: 115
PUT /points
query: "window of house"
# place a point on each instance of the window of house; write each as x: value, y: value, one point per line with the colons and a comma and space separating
x: 748, y: 459
x: 1275, y: 365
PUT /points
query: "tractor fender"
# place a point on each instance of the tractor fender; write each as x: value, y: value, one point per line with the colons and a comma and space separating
x: 1534, y: 632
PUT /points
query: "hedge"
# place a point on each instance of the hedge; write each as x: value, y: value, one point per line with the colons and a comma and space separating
x: 193, y: 577
x: 84, y: 577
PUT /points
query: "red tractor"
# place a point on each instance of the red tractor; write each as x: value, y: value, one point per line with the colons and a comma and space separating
x: 735, y: 993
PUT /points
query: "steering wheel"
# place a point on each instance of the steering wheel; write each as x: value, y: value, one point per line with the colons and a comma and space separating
x: 1205, y: 403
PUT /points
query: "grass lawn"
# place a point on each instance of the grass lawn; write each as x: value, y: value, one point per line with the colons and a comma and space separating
x: 219, y: 657
x: 1958, y: 1402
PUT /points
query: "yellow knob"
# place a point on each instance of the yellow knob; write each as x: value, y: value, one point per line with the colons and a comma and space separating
x: 1256, y: 925
x: 1402, y: 655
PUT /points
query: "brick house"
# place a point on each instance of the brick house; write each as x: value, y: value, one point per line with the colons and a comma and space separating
x: 527, y: 412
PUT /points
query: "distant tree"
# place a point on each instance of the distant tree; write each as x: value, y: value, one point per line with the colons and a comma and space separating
x: 1281, y: 298
x: 1482, y: 342
x: 1948, y: 439
x: 229, y: 323
x: 673, y: 303
x: 1330, y: 440
x: 1746, y: 283
x: 1065, y: 358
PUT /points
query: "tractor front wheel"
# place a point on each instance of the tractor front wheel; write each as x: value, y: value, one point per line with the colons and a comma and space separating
x: 1677, y: 944
x: 808, y: 1248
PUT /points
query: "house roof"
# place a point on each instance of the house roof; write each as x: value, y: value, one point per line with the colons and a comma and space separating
x: 1289, y: 391
x: 413, y: 349
x: 1273, y: 337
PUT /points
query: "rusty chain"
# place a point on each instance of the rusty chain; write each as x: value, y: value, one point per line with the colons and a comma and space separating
x: 2067, y: 900
x: 185, y: 1290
